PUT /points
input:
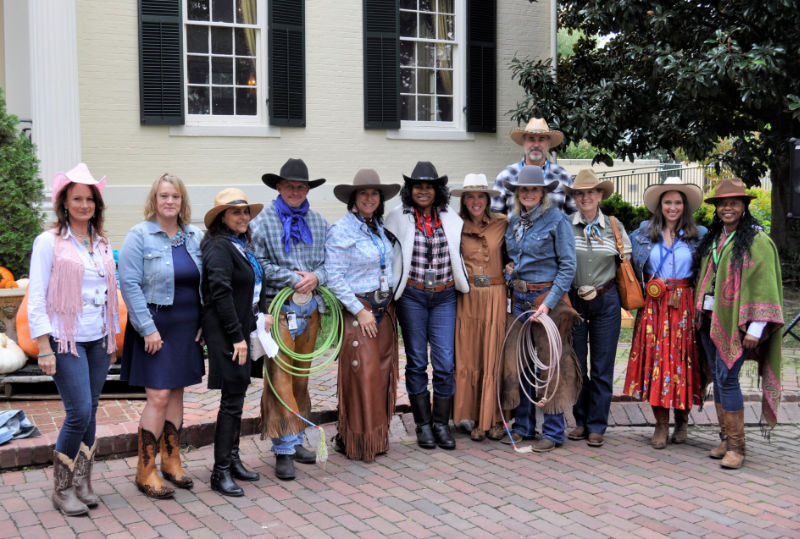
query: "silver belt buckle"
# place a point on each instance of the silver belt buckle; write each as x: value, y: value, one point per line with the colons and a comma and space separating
x: 380, y: 296
x: 520, y: 286
x: 482, y: 281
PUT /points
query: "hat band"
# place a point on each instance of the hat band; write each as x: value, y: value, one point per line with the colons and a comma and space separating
x: 231, y: 203
x: 424, y: 178
x: 475, y: 188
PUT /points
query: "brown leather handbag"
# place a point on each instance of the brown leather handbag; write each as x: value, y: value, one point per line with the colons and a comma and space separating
x: 630, y: 292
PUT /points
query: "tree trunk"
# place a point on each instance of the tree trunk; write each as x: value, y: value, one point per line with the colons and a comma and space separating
x: 785, y: 232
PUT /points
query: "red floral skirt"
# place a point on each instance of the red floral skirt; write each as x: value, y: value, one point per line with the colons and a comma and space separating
x: 662, y: 367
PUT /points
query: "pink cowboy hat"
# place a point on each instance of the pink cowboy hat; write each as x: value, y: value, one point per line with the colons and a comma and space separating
x: 79, y: 174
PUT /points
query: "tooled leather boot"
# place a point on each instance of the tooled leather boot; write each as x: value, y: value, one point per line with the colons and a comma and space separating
x: 171, y: 467
x: 65, y: 498
x: 82, y: 479
x: 681, y: 430
x: 734, y: 426
x: 719, y: 451
x: 147, y: 479
x: 661, y: 433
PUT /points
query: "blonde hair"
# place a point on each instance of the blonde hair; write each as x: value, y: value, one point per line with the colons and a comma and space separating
x: 185, y: 213
x: 546, y: 203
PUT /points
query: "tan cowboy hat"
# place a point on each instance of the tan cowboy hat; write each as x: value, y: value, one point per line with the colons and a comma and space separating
x: 587, y: 179
x: 366, y: 178
x: 230, y: 198
x: 475, y: 183
x: 293, y: 170
x: 728, y: 188
x: 537, y: 126
x: 530, y: 176
x: 652, y: 195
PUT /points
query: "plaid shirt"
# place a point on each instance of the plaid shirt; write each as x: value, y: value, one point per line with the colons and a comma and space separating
x: 279, y: 268
x: 440, y: 261
x: 505, y: 202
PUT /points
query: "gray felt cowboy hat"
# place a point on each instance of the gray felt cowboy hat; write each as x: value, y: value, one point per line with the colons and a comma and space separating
x: 424, y: 171
x: 294, y: 170
x: 366, y: 178
x: 537, y: 126
x: 475, y: 183
x: 587, y: 179
x: 530, y: 176
x: 693, y: 193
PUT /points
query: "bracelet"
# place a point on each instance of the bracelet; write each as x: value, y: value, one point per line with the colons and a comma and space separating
x: 47, y: 354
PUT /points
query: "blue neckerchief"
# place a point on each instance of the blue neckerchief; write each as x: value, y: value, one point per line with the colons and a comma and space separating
x: 545, y: 168
x: 593, y: 230
x: 295, y: 226
x: 242, y: 244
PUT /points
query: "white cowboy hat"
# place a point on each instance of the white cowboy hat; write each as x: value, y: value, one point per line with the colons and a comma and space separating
x: 475, y: 183
x: 693, y: 193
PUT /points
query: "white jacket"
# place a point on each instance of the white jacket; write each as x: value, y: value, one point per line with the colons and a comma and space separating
x: 402, y: 225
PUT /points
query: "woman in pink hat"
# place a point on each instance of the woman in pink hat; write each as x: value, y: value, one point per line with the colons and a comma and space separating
x: 73, y: 316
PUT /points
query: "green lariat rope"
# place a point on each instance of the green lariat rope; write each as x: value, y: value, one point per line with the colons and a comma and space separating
x: 330, y: 334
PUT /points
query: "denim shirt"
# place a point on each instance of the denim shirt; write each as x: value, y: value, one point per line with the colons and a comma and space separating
x: 641, y: 244
x: 146, y: 270
x: 546, y: 253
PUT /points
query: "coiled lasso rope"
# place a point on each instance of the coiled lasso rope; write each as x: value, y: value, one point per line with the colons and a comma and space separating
x: 543, y: 378
x: 330, y: 335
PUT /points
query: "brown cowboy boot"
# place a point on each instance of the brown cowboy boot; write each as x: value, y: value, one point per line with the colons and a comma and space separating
x: 734, y: 425
x: 147, y: 478
x: 719, y: 451
x: 171, y: 457
x: 64, y: 497
x: 681, y: 430
x: 659, y: 440
x: 82, y: 479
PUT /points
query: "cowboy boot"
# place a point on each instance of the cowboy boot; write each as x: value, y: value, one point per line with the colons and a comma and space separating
x: 719, y: 451
x: 659, y: 440
x: 681, y: 430
x: 441, y: 422
x: 147, y: 479
x: 83, y: 475
x: 734, y: 426
x: 221, y: 479
x: 171, y: 467
x: 237, y: 468
x: 65, y: 498
x: 421, y: 408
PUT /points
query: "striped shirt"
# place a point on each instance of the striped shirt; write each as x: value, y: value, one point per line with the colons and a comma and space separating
x: 597, y: 260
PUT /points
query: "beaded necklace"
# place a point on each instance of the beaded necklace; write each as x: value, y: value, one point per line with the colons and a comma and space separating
x: 178, y: 239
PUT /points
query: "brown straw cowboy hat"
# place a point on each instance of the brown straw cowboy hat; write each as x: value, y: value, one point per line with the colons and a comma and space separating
x: 366, y: 178
x: 587, y: 179
x: 537, y: 126
x: 230, y: 198
x: 475, y: 183
x: 729, y: 188
x: 294, y: 170
x: 693, y: 193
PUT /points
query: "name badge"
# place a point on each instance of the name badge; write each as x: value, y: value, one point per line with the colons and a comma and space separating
x: 99, y: 298
x: 708, y: 302
x: 291, y: 319
x: 384, y: 283
x: 430, y: 278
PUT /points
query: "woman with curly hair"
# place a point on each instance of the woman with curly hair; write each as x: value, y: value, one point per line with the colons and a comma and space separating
x: 740, y: 298
x: 428, y: 270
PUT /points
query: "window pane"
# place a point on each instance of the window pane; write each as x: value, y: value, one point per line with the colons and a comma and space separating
x: 245, y: 41
x: 223, y: 10
x: 246, y: 71
x: 446, y: 6
x: 444, y: 82
x: 196, y: 38
x: 408, y: 24
x: 424, y: 108
x: 407, y: 53
x: 426, y: 5
x: 426, y: 28
x: 408, y: 107
x: 445, y: 109
x: 221, y: 71
x: 197, y: 67
x: 425, y: 52
x: 408, y: 4
x: 222, y: 100
x: 221, y: 41
x: 425, y: 81
x: 446, y: 28
x: 197, y: 10
x: 246, y: 11
x: 246, y: 101
x: 444, y: 55
x: 407, y: 82
x: 198, y: 100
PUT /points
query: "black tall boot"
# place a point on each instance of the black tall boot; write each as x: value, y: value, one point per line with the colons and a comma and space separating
x: 237, y: 468
x: 441, y: 422
x: 221, y: 479
x: 421, y: 408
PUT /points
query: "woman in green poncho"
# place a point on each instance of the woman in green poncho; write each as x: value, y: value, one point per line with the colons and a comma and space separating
x: 740, y: 298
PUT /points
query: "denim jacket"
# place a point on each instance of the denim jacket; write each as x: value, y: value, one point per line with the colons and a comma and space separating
x: 641, y: 244
x: 145, y: 270
x: 546, y: 253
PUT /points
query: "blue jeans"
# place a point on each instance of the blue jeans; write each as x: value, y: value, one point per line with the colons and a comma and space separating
x: 80, y: 380
x: 428, y: 318
x: 285, y: 445
x: 601, y: 320
x: 525, y: 414
x: 727, y: 391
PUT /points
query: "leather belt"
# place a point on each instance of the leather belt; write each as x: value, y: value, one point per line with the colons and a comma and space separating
x: 606, y: 287
x: 482, y: 281
x: 438, y: 288
x: 523, y: 286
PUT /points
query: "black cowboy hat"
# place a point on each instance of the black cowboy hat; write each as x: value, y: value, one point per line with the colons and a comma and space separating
x: 424, y: 171
x: 294, y: 170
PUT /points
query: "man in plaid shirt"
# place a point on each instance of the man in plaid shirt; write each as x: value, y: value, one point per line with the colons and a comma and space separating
x: 289, y: 241
x: 536, y: 140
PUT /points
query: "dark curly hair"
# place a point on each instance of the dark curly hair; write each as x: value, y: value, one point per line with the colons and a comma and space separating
x: 218, y: 229
x: 351, y: 203
x: 440, y: 200
x: 685, y: 221
x: 746, y: 230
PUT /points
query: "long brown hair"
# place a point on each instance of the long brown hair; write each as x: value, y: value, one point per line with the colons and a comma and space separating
x: 685, y: 221
x: 95, y: 222
x: 464, y: 213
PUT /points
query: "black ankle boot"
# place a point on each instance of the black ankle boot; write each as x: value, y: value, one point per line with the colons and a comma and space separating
x: 222, y: 482
x: 441, y: 422
x: 421, y: 408
x: 237, y: 468
x: 284, y: 467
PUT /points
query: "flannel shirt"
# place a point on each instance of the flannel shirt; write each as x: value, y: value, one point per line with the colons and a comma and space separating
x: 280, y: 269
x: 505, y: 202
x: 440, y: 260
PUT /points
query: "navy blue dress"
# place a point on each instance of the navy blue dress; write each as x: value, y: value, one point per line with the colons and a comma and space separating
x: 179, y: 363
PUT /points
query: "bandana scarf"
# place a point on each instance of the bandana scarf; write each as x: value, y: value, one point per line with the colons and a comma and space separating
x: 295, y: 226
x: 526, y: 220
x: 593, y: 230
x: 250, y: 257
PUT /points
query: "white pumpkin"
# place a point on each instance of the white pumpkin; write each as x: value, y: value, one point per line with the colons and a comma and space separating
x: 23, y: 283
x: 12, y: 358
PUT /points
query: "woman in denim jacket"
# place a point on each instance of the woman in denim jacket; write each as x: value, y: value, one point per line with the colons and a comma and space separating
x: 159, y: 269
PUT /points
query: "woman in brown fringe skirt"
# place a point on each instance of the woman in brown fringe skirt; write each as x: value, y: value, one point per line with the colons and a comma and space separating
x: 358, y: 259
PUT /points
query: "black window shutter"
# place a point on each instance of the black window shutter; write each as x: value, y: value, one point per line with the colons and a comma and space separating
x: 160, y: 62
x: 287, y: 67
x: 481, y: 66
x: 381, y: 65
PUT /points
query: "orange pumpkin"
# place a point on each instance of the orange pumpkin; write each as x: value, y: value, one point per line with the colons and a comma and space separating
x: 31, y: 347
x: 5, y: 276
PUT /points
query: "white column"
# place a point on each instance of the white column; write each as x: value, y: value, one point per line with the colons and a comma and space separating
x: 55, y: 105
